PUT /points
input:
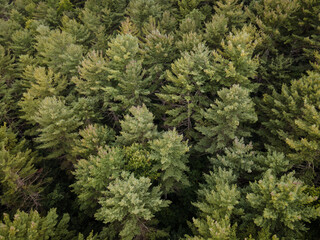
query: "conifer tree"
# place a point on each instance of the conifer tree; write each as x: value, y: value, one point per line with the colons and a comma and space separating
x: 32, y: 226
x: 77, y: 30
x: 20, y: 181
x: 291, y: 120
x: 57, y: 127
x: 139, y: 11
x: 131, y: 202
x: 43, y: 83
x: 22, y: 42
x: 225, y: 120
x: 138, y: 127
x: 187, y: 89
x: 233, y: 11
x: 159, y: 52
x: 7, y: 86
x: 133, y: 88
x: 186, y: 6
x: 94, y: 174
x: 92, y: 138
x: 235, y: 63
x: 58, y: 50
x: 218, y: 201
x: 122, y: 49
x: 281, y: 205
x: 169, y: 152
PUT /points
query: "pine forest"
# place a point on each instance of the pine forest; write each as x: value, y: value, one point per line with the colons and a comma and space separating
x: 159, y: 119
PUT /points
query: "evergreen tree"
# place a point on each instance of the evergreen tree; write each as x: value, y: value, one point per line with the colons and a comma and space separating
x: 21, y: 182
x: 130, y: 201
x: 218, y: 201
x: 281, y: 205
x: 43, y: 83
x: 7, y: 87
x: 137, y: 127
x: 226, y: 119
x: 33, y: 226
x: 92, y: 138
x: 187, y: 89
x: 58, y: 50
x: 169, y: 152
x: 139, y: 11
x: 235, y: 63
x: 291, y: 118
x: 57, y: 127
x: 94, y: 174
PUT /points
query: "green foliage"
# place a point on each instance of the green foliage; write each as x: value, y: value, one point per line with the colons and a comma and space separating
x: 94, y: 174
x: 281, y: 205
x: 185, y: 93
x: 137, y: 127
x: 130, y: 201
x: 43, y: 83
x: 132, y: 88
x: 139, y: 11
x: 57, y: 127
x: 169, y: 153
x: 159, y: 52
x: 235, y: 63
x: 218, y: 201
x: 139, y: 161
x: 186, y: 6
x: 292, y: 120
x: 92, y: 138
x: 20, y: 180
x: 58, y: 50
x: 33, y: 226
x: 8, y: 73
x: 225, y: 120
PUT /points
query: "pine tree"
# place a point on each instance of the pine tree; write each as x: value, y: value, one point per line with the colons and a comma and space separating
x: 291, y: 121
x: 131, y: 202
x: 281, y: 205
x: 92, y: 138
x: 8, y: 73
x: 218, y: 202
x: 233, y: 11
x: 33, y: 226
x: 169, y: 152
x: 94, y: 174
x: 139, y: 11
x: 186, y: 6
x: 57, y: 127
x: 133, y: 88
x: 159, y: 52
x: 21, y: 183
x: 137, y: 127
x: 22, y: 42
x: 43, y: 83
x: 187, y: 88
x: 236, y: 63
x: 93, y: 76
x: 77, y: 30
x: 225, y: 120
x: 58, y: 50
x: 122, y: 49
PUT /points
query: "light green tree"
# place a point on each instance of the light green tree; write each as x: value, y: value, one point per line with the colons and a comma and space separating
x: 170, y: 155
x: 138, y: 127
x: 132, y: 202
x: 281, y: 205
x: 32, y: 226
x: 227, y: 119
x: 58, y: 127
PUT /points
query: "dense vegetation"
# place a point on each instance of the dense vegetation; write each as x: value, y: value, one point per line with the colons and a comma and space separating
x: 159, y: 119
